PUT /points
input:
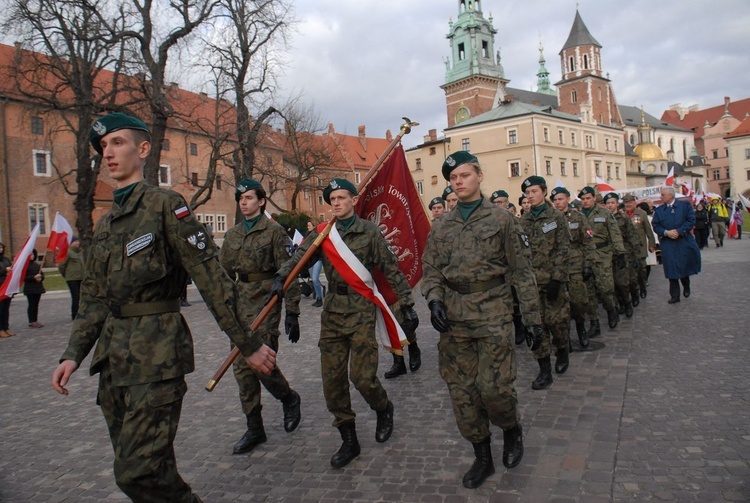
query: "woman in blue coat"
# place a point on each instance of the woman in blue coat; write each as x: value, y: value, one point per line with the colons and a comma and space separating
x: 673, y: 222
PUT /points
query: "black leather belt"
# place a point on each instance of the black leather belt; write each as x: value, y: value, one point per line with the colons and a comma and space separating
x: 145, y: 308
x: 341, y: 289
x: 599, y: 246
x: 477, y: 286
x: 252, y: 278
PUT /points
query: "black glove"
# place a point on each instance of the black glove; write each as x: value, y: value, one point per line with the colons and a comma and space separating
x: 588, y: 273
x: 277, y: 288
x: 438, y: 315
x: 621, y: 264
x: 291, y: 326
x: 411, y: 320
x: 534, y: 335
x: 553, y: 290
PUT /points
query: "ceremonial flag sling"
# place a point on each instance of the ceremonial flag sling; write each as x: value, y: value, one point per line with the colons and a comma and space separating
x: 14, y: 279
x: 405, y: 129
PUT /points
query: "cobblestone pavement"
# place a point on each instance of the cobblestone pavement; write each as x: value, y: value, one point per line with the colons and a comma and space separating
x: 657, y: 410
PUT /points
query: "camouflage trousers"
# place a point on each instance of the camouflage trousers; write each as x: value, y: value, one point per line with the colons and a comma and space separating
x: 579, y: 297
x: 142, y: 422
x: 555, y: 321
x: 480, y: 373
x: 349, y: 349
x: 411, y: 336
x: 622, y: 283
x: 601, y: 287
x: 249, y: 381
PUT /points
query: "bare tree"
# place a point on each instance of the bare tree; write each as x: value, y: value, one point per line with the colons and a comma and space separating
x: 69, y: 65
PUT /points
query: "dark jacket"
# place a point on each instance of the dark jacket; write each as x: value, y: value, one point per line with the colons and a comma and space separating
x: 30, y: 285
x: 681, y: 257
x: 702, y: 220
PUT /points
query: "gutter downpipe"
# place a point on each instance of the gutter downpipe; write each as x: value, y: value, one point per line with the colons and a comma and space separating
x: 4, y: 100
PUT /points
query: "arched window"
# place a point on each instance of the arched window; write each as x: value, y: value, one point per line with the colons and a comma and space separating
x: 572, y: 64
x: 585, y: 62
x: 632, y: 140
x: 573, y: 96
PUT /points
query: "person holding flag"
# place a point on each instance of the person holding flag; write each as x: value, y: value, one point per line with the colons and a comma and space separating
x: 5, y: 268
x: 13, y: 278
x: 473, y: 256
x: 351, y: 312
x: 252, y: 252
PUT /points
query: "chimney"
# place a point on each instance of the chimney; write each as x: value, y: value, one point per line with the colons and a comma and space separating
x: 362, y: 137
x: 433, y: 134
x: 388, y: 135
x: 330, y: 128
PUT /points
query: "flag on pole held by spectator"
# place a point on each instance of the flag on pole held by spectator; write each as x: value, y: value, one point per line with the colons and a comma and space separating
x: 732, y: 231
x: 60, y: 238
x: 745, y: 202
x: 14, y: 279
x: 670, y: 177
x: 604, y: 187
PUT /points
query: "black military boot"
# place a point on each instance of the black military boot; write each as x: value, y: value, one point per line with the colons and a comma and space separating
x: 635, y: 297
x: 483, y: 465
x: 292, y: 414
x: 255, y: 434
x: 384, y: 426
x: 349, y: 448
x: 544, y: 379
x: 520, y: 329
x: 561, y: 361
x: 398, y: 368
x: 628, y: 310
x: 512, y: 446
x: 583, y: 336
x: 613, y: 318
x: 620, y: 308
x: 415, y: 357
x: 594, y: 329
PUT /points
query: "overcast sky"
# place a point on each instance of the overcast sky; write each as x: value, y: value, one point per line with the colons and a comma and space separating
x: 370, y: 62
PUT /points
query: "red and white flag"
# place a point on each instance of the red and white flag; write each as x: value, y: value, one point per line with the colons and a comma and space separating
x: 745, y: 202
x: 732, y: 231
x: 14, y: 279
x: 604, y: 187
x: 297, y: 238
x: 60, y: 238
x: 670, y: 177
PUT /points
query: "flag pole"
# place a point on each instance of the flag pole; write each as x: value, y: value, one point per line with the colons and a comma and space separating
x: 224, y: 367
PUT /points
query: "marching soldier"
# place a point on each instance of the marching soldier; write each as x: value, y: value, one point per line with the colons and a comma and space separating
x: 252, y: 252
x: 580, y: 257
x: 437, y: 207
x: 347, y: 324
x: 500, y: 199
x: 450, y: 198
x: 523, y: 202
x: 472, y: 256
x: 647, y: 242
x: 130, y: 308
x: 630, y: 241
x: 608, y: 243
x: 549, y: 237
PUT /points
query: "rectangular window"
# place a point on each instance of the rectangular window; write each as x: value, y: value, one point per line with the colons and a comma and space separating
x: 561, y: 136
x: 747, y: 174
x: 218, y: 182
x: 485, y: 49
x: 37, y: 125
x: 575, y: 168
x: 165, y: 175
x: 727, y: 172
x: 512, y: 137
x: 193, y: 149
x: 199, y: 217
x: 617, y: 146
x: 716, y: 174
x: 165, y: 145
x: 747, y: 153
x: 356, y: 178
x: 609, y: 172
x: 433, y: 180
x: 546, y: 135
x: 548, y: 166
x: 597, y: 169
x: 419, y: 164
x: 208, y: 221
x: 726, y: 152
x: 465, y: 145
x: 573, y: 139
x: 589, y: 141
x: 562, y: 169
x: 38, y: 213
x: 606, y: 144
x: 420, y: 188
x: 433, y: 151
x: 42, y: 163
x: 194, y: 179
x: 715, y: 154
x: 617, y: 171
x: 321, y: 217
x: 269, y: 161
x: 515, y: 169
x: 221, y: 223
x: 320, y: 201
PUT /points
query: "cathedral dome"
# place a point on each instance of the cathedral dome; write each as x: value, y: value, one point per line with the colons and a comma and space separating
x: 648, y: 152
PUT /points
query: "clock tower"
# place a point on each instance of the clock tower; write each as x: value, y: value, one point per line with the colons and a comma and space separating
x: 474, y: 77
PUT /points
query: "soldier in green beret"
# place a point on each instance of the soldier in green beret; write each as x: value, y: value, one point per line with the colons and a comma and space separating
x: 437, y: 207
x: 72, y: 270
x: 472, y: 257
x: 608, y: 243
x: 252, y: 252
x: 631, y: 242
x: 580, y: 257
x: 550, y: 240
x: 451, y: 199
x: 130, y: 308
x: 500, y: 199
x: 348, y: 342
x: 647, y: 244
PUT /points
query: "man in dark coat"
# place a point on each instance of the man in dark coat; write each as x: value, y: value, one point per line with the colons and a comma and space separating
x: 673, y: 223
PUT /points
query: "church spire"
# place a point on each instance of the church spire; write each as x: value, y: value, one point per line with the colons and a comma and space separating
x: 542, y: 75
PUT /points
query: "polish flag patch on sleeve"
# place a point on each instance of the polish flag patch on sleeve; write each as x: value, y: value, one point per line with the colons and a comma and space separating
x: 182, y: 212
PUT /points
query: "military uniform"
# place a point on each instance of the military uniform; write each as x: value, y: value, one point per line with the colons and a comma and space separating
x: 347, y: 332
x: 550, y: 241
x: 470, y: 267
x: 623, y: 275
x: 608, y: 244
x: 646, y: 242
x: 130, y: 309
x: 580, y: 257
x: 252, y: 258
x: 72, y: 270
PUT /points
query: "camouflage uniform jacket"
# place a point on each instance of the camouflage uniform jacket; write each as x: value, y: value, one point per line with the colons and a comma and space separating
x: 489, y: 245
x: 630, y: 237
x: 550, y: 239
x: 258, y: 252
x: 644, y: 230
x: 139, y: 254
x: 367, y: 243
x: 607, y: 237
x: 582, y: 249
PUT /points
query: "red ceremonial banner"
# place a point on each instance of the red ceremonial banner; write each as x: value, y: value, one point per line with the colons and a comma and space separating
x: 392, y: 202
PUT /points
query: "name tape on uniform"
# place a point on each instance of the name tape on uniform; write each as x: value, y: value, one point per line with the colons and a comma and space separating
x: 139, y: 243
